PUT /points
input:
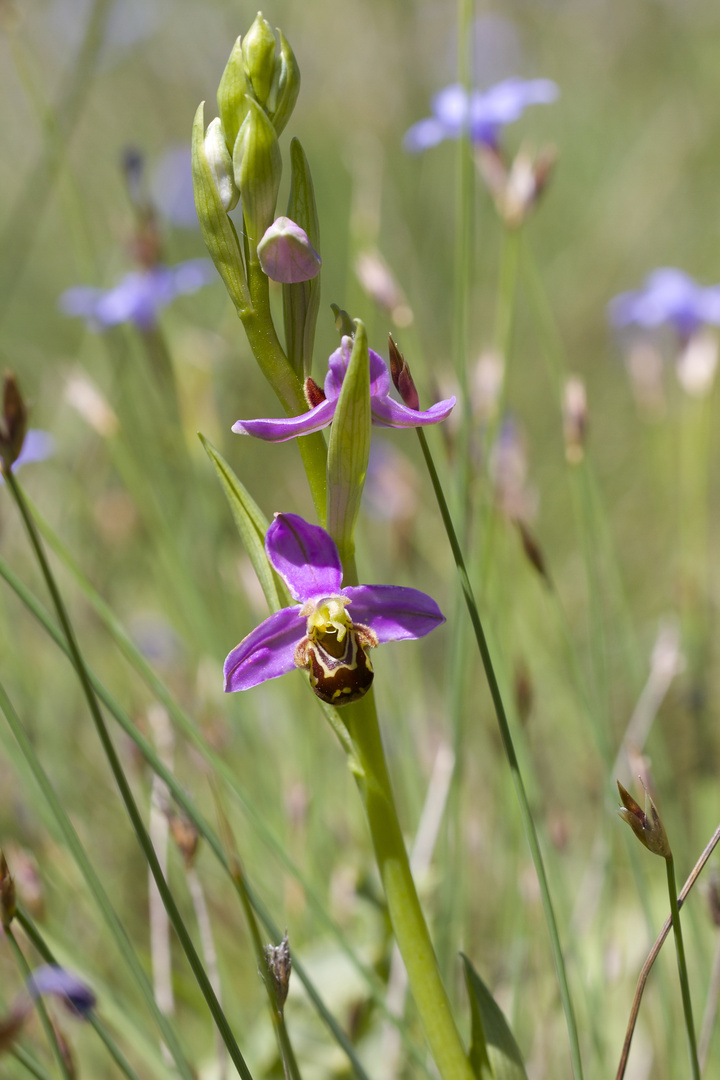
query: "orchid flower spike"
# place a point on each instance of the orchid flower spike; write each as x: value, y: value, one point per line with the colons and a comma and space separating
x: 481, y: 114
x: 318, y: 633
x: 386, y: 412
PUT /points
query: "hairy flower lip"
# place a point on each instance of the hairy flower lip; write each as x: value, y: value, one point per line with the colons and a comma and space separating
x: 306, y: 557
x: 386, y: 412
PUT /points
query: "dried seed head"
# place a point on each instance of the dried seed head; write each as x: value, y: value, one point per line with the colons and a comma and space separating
x: 185, y: 835
x: 646, y: 824
x: 575, y: 419
x: 279, y: 963
x: 13, y: 422
x: 7, y: 894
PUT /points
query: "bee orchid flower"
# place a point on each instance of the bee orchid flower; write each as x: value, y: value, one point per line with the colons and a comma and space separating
x: 328, y: 631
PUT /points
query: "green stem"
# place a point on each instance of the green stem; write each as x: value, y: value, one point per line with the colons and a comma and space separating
x: 125, y: 791
x: 406, y: 917
x: 276, y: 368
x: 39, y: 1005
x: 682, y: 968
x: 525, y: 812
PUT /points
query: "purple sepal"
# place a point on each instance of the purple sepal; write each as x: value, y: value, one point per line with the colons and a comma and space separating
x: 50, y: 979
x: 393, y: 611
x: 390, y: 413
x: 290, y: 427
x: 305, y: 556
x: 267, y: 652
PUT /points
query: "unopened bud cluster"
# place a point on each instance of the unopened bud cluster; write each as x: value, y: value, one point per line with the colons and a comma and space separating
x: 516, y: 188
x: 238, y: 160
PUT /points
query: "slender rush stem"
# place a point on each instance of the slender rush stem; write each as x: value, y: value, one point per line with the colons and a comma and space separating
x: 655, y: 951
x: 682, y: 968
x: 525, y: 812
x: 408, y: 923
x: 124, y: 787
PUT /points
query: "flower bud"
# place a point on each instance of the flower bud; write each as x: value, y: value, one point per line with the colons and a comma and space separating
x: 279, y: 964
x: 220, y: 164
x: 401, y: 376
x: 13, y: 423
x: 575, y: 419
x: 258, y: 52
x: 286, y: 254
x: 257, y: 166
x: 232, y: 94
x: 7, y: 894
x: 646, y: 824
x: 217, y: 229
x: 285, y: 88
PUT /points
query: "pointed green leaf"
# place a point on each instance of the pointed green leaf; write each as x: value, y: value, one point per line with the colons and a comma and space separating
x: 251, y: 522
x: 217, y: 229
x: 349, y: 448
x: 301, y: 301
x: 494, y: 1054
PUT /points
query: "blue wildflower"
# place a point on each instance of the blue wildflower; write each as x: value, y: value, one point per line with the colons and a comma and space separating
x: 140, y: 295
x: 668, y: 297
x: 480, y: 113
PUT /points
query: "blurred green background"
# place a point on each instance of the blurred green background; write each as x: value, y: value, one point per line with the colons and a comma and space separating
x: 629, y: 537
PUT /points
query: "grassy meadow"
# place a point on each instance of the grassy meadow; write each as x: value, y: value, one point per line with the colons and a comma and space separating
x: 593, y: 555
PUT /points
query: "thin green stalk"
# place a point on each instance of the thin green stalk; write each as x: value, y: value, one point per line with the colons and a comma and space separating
x: 682, y: 968
x: 94, y: 885
x: 287, y: 1054
x: 180, y: 796
x: 125, y: 791
x: 264, y: 343
x: 39, y: 1005
x: 29, y: 1063
x: 406, y: 917
x: 506, y: 736
x: 93, y: 1019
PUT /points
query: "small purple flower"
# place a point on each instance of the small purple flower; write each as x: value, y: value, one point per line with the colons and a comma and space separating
x: 668, y: 296
x: 318, y: 633
x: 386, y: 412
x: 51, y: 979
x: 482, y: 114
x: 139, y: 296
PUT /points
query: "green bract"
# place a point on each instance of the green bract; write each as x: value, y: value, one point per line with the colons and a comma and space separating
x: 258, y: 167
x: 217, y: 229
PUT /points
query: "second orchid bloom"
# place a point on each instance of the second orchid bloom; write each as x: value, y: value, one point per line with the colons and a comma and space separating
x: 386, y: 412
